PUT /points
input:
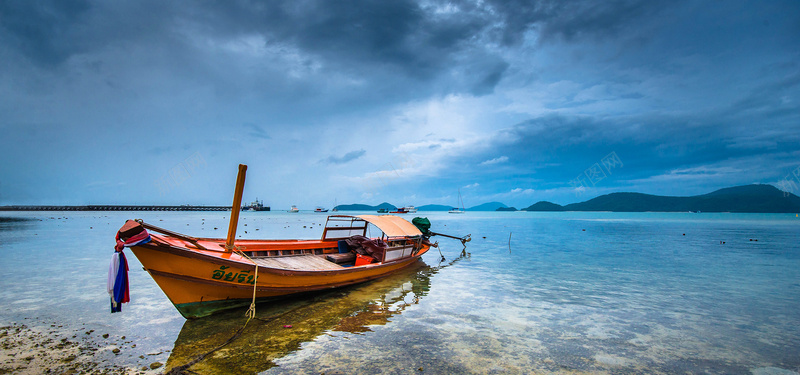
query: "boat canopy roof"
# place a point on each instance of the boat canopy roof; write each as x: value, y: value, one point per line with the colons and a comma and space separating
x: 392, y: 226
x: 344, y: 226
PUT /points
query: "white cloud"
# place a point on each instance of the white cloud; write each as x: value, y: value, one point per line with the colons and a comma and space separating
x: 443, y: 130
x: 499, y: 160
x: 516, y: 196
x: 521, y: 191
x: 472, y: 186
x: 694, y: 173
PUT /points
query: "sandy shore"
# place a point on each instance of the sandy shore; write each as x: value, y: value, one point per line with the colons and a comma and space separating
x: 43, y: 349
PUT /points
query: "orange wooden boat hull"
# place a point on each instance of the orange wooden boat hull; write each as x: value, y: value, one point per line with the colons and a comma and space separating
x: 201, y: 280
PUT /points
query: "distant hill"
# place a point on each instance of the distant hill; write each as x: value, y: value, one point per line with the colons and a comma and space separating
x: 747, y: 198
x: 491, y: 206
x: 506, y: 209
x: 544, y: 206
x: 434, y: 207
x: 365, y: 207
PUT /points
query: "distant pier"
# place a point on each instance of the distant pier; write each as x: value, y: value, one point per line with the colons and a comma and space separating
x: 106, y: 207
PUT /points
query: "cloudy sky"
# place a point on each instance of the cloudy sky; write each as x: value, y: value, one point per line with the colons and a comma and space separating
x: 157, y: 102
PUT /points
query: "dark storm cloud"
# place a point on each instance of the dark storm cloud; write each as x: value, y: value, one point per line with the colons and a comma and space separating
x: 648, y: 145
x: 395, y: 35
x: 567, y: 20
x: 574, y: 20
x: 674, y: 88
x: 366, y: 36
x: 455, y: 42
x: 488, y: 74
x: 42, y: 30
x: 770, y: 95
x: 48, y: 33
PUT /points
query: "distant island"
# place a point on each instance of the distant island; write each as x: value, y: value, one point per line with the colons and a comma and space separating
x: 434, y: 207
x: 740, y: 199
x: 491, y: 206
x: 508, y: 209
x: 544, y: 206
x: 365, y: 207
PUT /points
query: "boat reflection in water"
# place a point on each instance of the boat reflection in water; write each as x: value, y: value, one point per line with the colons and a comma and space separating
x: 268, y: 336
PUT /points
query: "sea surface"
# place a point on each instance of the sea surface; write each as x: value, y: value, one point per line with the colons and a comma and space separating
x: 566, y: 292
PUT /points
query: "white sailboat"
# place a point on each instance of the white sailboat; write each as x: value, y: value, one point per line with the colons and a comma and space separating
x: 461, y: 202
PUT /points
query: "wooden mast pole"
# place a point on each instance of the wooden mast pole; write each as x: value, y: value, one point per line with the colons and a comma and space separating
x: 237, y: 205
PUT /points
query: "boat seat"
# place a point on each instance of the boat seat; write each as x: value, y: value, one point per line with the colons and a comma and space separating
x: 367, y: 246
x: 341, y: 258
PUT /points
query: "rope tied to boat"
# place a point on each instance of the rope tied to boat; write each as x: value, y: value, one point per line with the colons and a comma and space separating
x: 251, y: 311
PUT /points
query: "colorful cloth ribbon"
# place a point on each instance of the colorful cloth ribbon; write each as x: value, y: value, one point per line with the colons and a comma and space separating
x: 142, y: 237
x: 117, y: 285
x: 118, y: 281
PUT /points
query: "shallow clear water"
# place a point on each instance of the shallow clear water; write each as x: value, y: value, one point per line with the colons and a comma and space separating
x: 541, y: 292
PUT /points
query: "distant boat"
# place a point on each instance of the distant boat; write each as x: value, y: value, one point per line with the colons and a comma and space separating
x: 294, y: 209
x: 255, y: 206
x: 320, y: 209
x: 335, y: 206
x: 457, y: 210
x: 410, y: 209
x: 401, y: 210
x: 383, y: 211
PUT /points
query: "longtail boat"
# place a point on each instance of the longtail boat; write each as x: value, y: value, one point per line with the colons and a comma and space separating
x: 201, y: 276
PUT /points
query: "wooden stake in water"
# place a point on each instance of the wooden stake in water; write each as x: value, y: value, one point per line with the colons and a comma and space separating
x: 237, y: 205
